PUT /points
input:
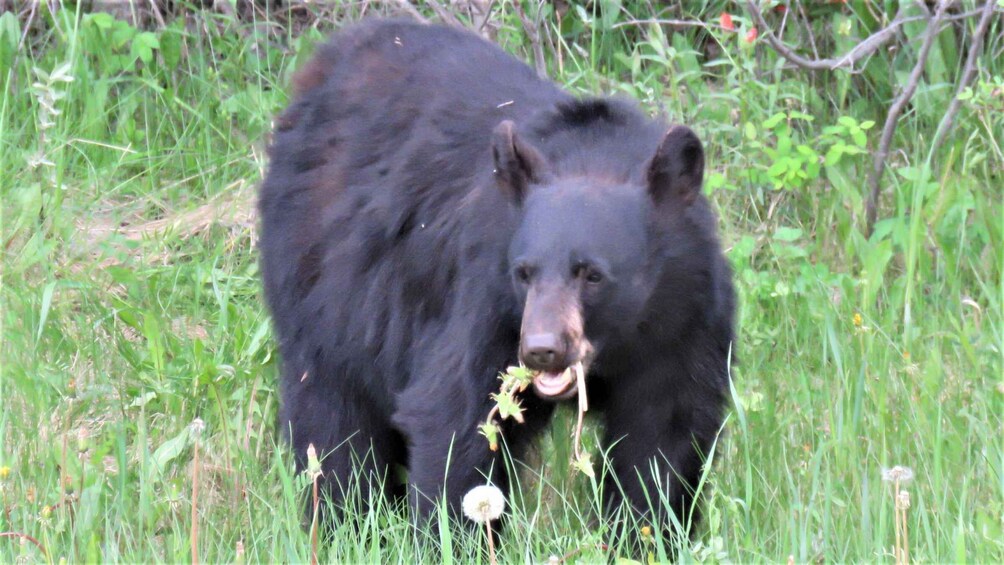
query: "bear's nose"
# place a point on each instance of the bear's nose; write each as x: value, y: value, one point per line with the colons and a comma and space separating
x: 542, y: 351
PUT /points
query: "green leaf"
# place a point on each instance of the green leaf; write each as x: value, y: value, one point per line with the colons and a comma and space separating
x: 521, y: 374
x: 143, y: 45
x: 509, y: 408
x: 610, y: 11
x: 122, y: 33
x: 142, y: 400
x: 584, y: 465
x: 859, y: 138
x: 847, y: 122
x: 168, y: 452
x: 750, y: 131
x: 773, y: 120
x: 806, y: 151
x: 491, y: 431
x: 779, y: 166
x: 46, y: 307
x: 100, y: 20
x: 787, y: 234
x: 834, y: 154
x: 783, y: 144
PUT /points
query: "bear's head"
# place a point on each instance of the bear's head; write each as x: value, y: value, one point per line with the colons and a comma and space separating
x: 592, y: 257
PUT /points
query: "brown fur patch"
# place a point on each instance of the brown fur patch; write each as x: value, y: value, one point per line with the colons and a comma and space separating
x: 311, y: 76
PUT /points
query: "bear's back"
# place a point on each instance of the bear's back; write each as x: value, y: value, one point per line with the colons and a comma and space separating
x: 373, y: 169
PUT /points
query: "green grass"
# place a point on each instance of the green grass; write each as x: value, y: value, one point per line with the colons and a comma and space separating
x: 131, y: 302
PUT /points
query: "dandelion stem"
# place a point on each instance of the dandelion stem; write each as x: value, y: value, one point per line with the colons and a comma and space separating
x: 195, y: 504
x: 899, y: 535
x: 583, y: 408
x: 491, y: 542
x: 313, y: 524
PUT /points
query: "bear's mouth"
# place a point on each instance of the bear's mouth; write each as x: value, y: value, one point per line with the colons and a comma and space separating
x: 558, y: 386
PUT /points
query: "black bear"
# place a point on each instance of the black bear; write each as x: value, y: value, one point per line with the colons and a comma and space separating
x: 433, y: 213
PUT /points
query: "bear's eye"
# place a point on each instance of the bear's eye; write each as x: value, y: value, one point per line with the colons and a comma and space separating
x: 584, y: 271
x: 523, y: 274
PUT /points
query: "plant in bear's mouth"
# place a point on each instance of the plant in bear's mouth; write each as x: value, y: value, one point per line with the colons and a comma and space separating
x: 515, y: 380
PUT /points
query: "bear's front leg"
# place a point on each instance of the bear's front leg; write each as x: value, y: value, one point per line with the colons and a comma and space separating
x: 661, y: 433
x: 446, y: 453
x: 355, y: 445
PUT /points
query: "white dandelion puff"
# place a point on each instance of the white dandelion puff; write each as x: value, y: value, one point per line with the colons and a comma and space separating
x: 484, y: 503
x: 897, y: 474
x: 197, y: 426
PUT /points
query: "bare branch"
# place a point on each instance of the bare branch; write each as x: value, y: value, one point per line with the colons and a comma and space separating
x: 484, y: 9
x: 19, y: 535
x: 533, y: 34
x: 156, y: 14
x: 407, y: 7
x: 878, y: 165
x: 443, y: 14
x: 679, y: 23
x: 968, y: 71
x: 860, y: 51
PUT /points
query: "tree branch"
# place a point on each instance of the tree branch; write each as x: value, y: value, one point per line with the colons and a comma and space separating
x: 968, y: 71
x: 406, y: 6
x: 878, y: 164
x: 444, y: 14
x: 532, y: 30
x: 860, y: 51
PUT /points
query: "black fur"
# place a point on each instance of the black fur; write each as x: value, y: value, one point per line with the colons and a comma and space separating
x: 395, y: 211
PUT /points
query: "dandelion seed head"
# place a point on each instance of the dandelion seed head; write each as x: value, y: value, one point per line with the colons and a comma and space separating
x: 903, y: 500
x: 198, y: 426
x: 483, y: 503
x: 897, y: 473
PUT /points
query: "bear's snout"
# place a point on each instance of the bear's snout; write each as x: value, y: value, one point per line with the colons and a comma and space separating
x: 544, y: 352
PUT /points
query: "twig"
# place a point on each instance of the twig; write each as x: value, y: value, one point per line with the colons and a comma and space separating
x: 156, y: 14
x: 444, y: 14
x: 860, y: 51
x: 27, y: 26
x: 878, y: 165
x: 681, y: 23
x: 19, y: 535
x: 808, y: 28
x: 486, y: 13
x: 407, y: 7
x: 968, y: 71
x: 533, y: 34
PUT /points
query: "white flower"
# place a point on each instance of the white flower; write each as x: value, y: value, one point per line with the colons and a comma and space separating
x: 484, y: 503
x: 897, y: 473
x: 197, y: 426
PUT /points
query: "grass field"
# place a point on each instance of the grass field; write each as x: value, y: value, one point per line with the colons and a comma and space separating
x: 131, y: 303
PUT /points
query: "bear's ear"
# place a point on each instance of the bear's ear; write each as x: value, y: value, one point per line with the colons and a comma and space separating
x: 517, y: 163
x: 677, y: 168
